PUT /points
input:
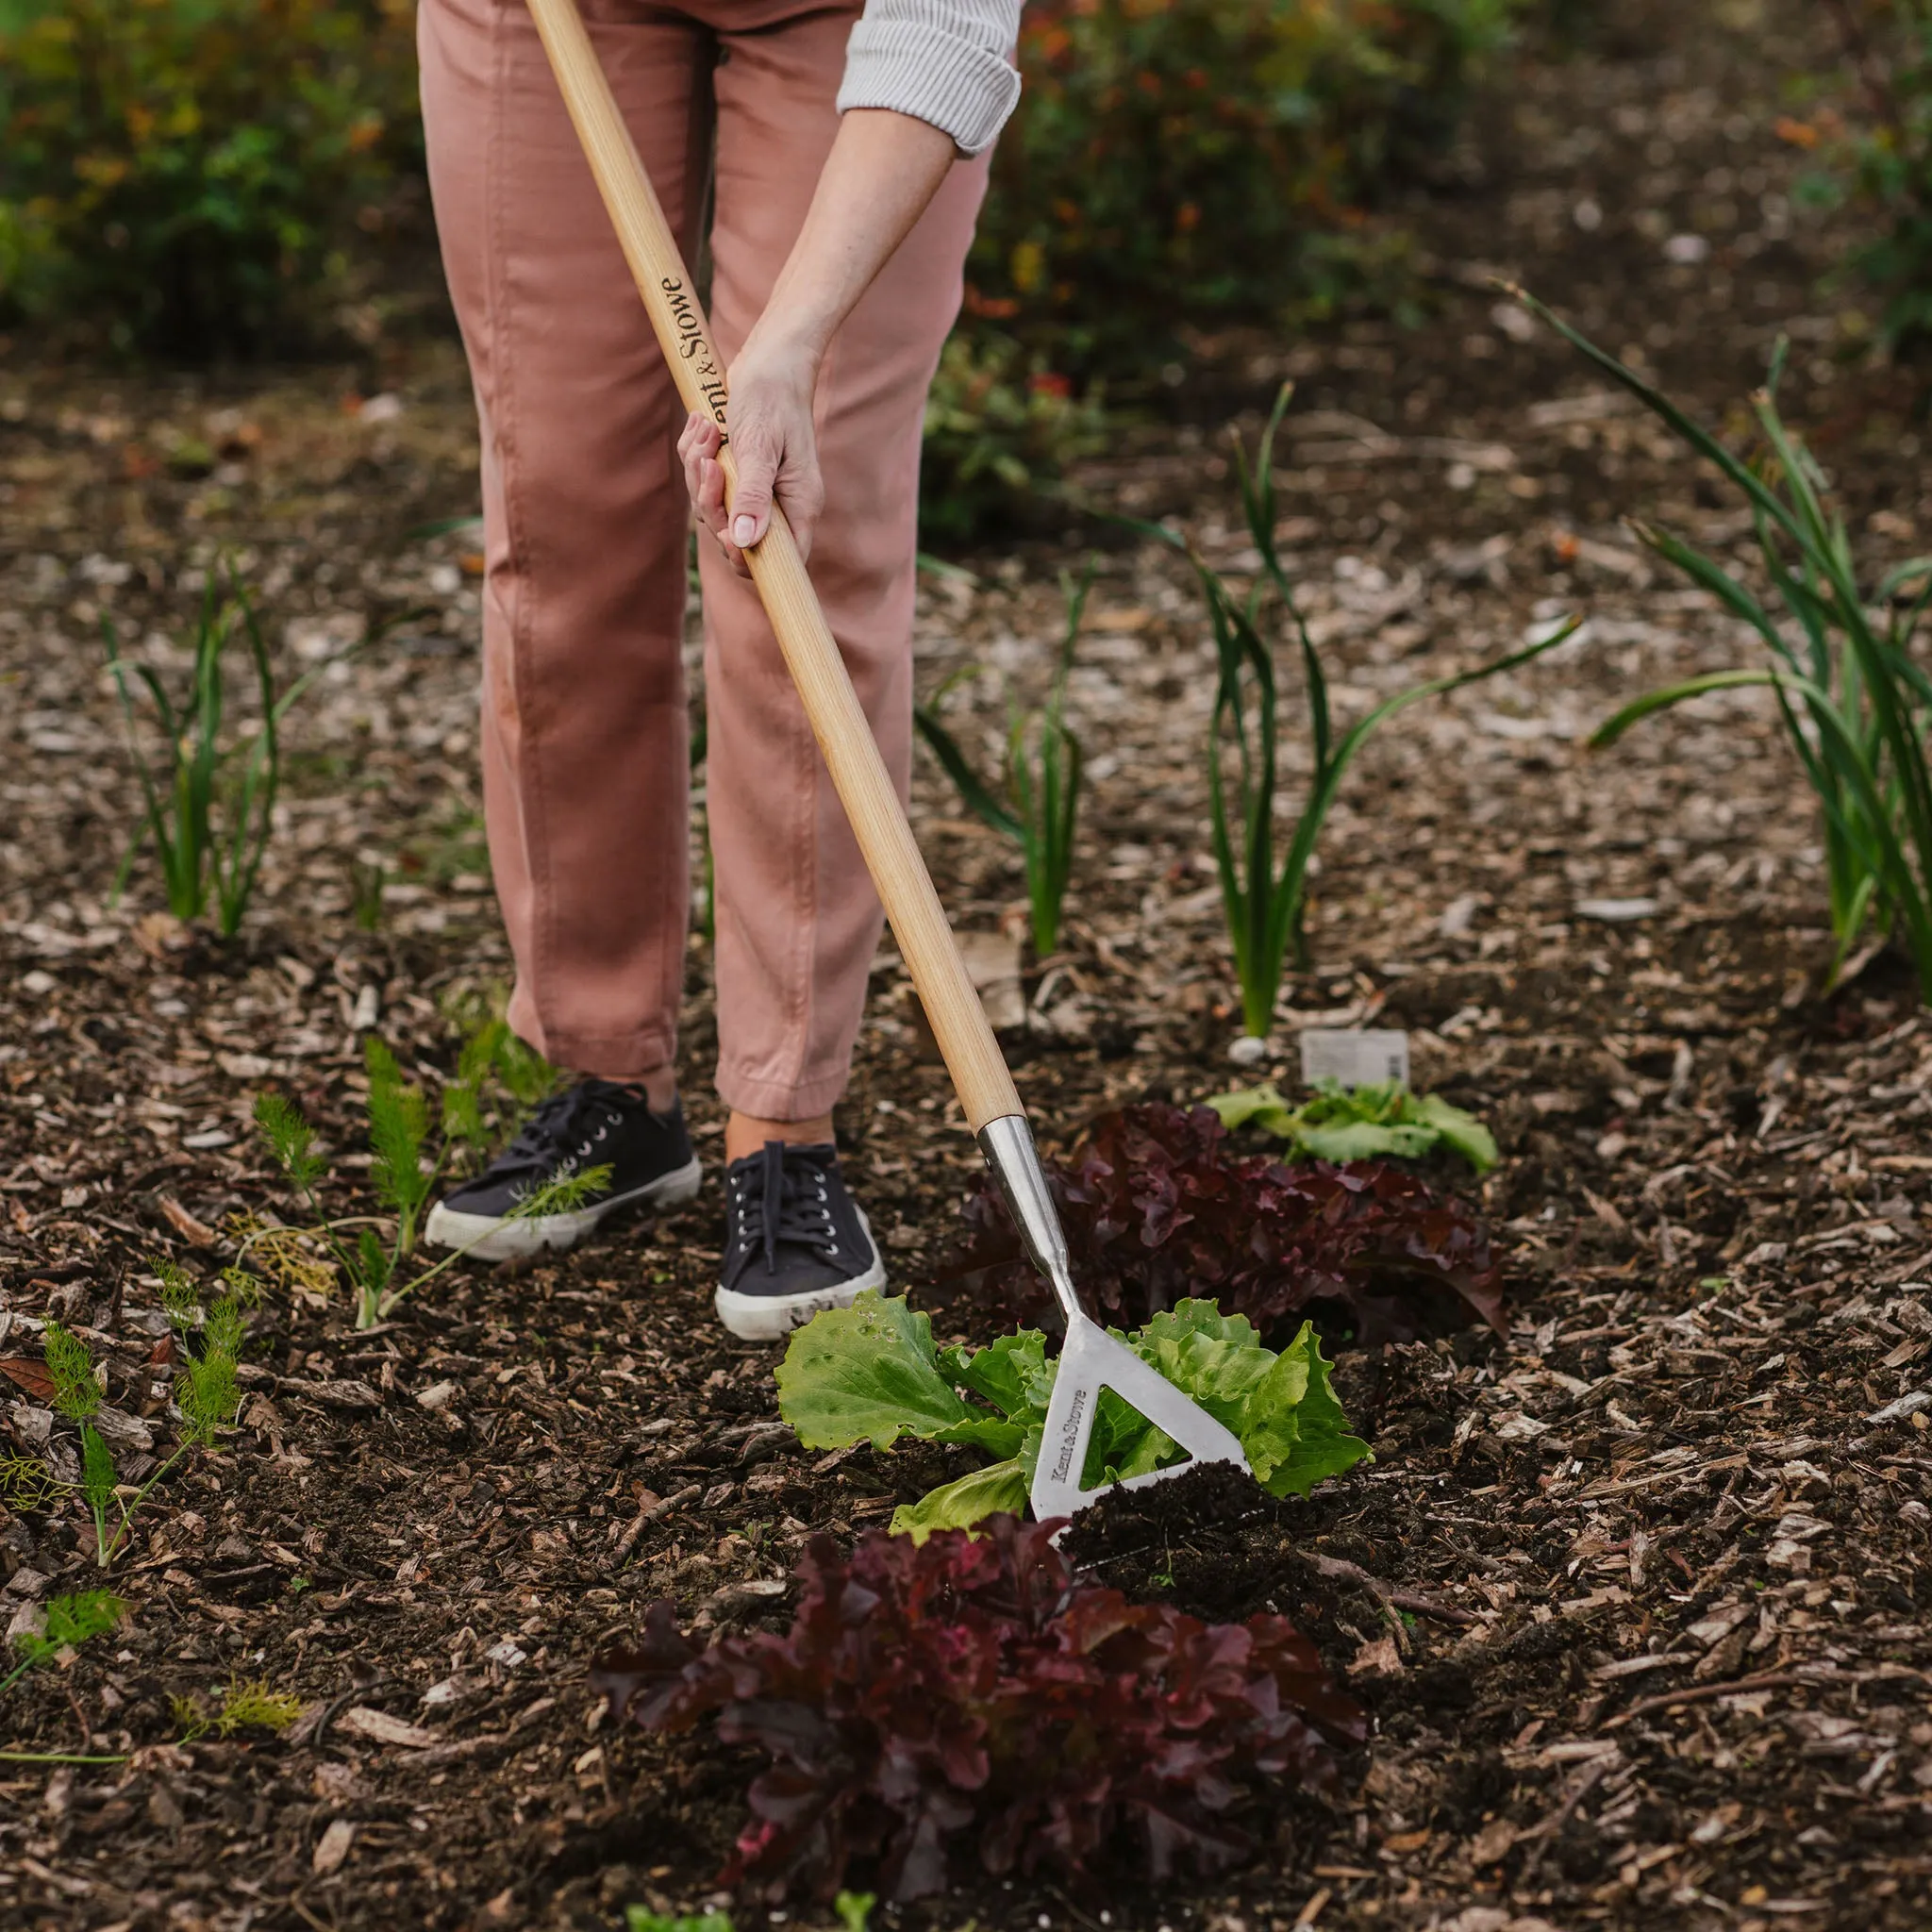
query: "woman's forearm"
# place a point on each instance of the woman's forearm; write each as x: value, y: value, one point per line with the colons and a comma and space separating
x: 883, y: 169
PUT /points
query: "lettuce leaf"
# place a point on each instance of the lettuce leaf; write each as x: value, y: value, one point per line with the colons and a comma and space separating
x: 1376, y: 1121
x: 969, y: 1500
x: 866, y: 1373
x: 870, y: 1373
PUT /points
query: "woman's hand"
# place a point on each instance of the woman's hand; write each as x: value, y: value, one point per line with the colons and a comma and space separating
x: 883, y: 169
x: 776, y: 447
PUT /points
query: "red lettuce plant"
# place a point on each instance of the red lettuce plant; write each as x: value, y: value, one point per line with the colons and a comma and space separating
x: 1157, y: 1209
x: 961, y: 1698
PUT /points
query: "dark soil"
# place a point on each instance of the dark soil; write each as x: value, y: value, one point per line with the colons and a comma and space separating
x: 1639, y: 1596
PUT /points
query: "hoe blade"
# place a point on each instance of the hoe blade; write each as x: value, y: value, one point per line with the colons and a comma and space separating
x: 1092, y: 1360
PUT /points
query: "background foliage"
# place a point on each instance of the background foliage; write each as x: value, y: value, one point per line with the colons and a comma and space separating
x: 1179, y: 163
x: 208, y: 173
x: 199, y: 176
x: 1880, y: 161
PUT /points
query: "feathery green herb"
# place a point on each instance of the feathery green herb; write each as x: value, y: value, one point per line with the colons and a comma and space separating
x: 374, y: 1264
x: 398, y: 1126
x: 208, y: 1393
x: 246, y: 1704
x: 76, y: 1393
x: 70, y: 1622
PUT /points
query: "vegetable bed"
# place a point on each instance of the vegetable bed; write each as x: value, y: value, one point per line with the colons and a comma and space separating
x: 1624, y: 1624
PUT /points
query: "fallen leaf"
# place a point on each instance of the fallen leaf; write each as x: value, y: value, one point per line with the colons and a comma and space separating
x: 197, y: 1232
x: 29, y: 1375
x: 1492, y: 1843
x: 332, y: 1847
x: 1379, y: 1654
x: 343, y: 1395
x: 378, y: 1727
x: 161, y: 933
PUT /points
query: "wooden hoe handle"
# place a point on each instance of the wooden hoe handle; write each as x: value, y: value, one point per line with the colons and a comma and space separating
x: 866, y: 789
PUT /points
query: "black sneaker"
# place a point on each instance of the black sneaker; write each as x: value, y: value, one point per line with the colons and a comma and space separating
x: 795, y: 1242
x: 596, y: 1124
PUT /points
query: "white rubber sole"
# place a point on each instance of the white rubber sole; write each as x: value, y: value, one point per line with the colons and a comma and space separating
x: 773, y: 1317
x: 492, y: 1237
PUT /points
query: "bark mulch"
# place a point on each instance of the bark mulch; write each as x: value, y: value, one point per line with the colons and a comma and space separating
x: 1639, y: 1596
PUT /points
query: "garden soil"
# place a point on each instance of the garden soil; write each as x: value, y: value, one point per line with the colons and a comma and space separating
x: 1638, y: 1594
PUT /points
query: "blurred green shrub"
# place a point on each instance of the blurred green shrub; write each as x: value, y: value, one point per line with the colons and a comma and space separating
x: 1192, y: 162
x: 198, y: 176
x: 1000, y: 429
x: 1882, y: 162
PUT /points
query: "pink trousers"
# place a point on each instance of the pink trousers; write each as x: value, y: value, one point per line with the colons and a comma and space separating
x: 585, y: 737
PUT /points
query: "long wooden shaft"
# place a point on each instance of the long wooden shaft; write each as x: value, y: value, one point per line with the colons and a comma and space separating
x: 865, y: 788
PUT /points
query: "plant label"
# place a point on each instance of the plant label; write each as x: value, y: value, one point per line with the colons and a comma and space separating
x: 1354, y: 1056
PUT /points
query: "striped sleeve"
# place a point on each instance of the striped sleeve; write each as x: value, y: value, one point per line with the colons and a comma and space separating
x: 946, y: 61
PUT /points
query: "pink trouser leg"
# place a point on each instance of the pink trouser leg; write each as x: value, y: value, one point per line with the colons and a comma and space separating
x: 585, y: 525
x: 586, y: 762
x: 797, y: 917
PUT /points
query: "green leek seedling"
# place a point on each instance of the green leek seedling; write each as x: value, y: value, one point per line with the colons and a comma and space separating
x: 1856, y: 703
x: 211, y: 807
x: 1044, y: 771
x: 1266, y: 902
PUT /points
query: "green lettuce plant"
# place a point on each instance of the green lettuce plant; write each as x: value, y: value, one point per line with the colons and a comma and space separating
x: 1376, y: 1121
x: 872, y: 1374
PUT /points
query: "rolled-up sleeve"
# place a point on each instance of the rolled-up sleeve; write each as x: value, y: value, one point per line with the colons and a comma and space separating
x: 946, y: 61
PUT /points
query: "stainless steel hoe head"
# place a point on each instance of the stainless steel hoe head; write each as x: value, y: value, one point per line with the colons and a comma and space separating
x: 1090, y: 1359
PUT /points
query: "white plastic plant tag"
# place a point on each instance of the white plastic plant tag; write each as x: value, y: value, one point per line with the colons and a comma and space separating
x: 1354, y: 1056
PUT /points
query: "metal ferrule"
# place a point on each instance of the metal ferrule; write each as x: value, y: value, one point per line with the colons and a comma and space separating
x: 1008, y: 1146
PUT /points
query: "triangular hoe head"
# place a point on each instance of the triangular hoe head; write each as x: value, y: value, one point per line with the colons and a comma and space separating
x: 1092, y: 1360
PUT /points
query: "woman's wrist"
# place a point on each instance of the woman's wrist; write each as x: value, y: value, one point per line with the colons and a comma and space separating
x: 786, y: 341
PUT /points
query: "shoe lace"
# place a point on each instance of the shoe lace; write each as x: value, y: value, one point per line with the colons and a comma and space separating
x: 568, y: 1125
x: 790, y: 1200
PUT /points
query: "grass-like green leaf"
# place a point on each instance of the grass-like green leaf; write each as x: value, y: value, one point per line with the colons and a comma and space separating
x: 1854, y: 702
x: 1044, y: 777
x: 1264, y: 888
